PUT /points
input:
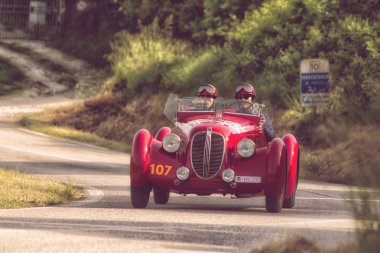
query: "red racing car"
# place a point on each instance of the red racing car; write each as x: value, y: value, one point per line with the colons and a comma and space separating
x: 221, y: 150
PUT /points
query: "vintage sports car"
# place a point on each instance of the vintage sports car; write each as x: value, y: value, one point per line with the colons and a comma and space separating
x: 221, y: 150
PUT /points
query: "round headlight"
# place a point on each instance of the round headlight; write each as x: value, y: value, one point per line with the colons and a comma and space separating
x: 246, y: 148
x: 183, y: 173
x: 228, y: 175
x: 171, y: 143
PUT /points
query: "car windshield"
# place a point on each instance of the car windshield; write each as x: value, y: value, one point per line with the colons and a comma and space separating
x: 196, y: 104
x: 202, y: 105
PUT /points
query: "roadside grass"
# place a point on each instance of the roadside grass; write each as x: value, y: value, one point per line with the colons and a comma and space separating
x: 18, y: 190
x: 11, y: 78
x: 36, y: 123
x: 353, y: 160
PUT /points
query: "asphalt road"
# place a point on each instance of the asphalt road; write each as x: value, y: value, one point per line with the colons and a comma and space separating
x: 106, y: 222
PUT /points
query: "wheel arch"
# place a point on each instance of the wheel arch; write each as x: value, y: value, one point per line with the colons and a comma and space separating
x: 140, y: 157
x: 292, y: 148
x: 162, y: 133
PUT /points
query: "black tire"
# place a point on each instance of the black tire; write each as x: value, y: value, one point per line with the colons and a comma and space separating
x: 273, y: 204
x: 140, y: 196
x: 161, y: 196
x: 291, y: 202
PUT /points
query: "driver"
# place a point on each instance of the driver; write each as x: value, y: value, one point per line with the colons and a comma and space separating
x: 246, y: 92
x: 209, y: 93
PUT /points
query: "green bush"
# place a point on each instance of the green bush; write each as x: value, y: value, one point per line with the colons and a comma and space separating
x: 153, y: 59
x: 142, y: 59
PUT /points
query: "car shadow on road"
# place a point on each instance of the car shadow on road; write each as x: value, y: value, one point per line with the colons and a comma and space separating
x: 117, y: 198
x: 225, y: 238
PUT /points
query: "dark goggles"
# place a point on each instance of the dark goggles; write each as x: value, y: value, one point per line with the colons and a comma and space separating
x: 208, y: 89
x: 243, y: 96
x: 246, y: 88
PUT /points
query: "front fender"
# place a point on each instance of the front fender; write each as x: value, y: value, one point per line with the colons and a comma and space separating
x: 275, y: 167
x: 162, y: 133
x: 140, y: 158
x: 292, y: 148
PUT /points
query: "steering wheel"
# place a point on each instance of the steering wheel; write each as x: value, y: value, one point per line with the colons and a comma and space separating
x: 239, y: 104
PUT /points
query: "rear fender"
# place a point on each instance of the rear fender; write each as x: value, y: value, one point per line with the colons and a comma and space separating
x: 292, y: 148
x: 162, y: 133
x: 275, y: 170
x: 140, y: 158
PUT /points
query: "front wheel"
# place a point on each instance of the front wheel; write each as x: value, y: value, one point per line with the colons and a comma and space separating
x: 161, y: 196
x: 140, y: 196
x: 290, y: 202
x: 273, y: 204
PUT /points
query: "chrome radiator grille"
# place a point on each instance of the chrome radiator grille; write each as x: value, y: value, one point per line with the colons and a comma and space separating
x: 207, y: 151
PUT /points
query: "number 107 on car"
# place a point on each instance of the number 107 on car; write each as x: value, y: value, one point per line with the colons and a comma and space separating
x: 159, y: 169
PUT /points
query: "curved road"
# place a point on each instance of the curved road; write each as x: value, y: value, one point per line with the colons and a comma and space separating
x: 106, y: 222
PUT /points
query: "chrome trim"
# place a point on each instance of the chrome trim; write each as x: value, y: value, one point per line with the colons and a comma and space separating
x: 222, y: 158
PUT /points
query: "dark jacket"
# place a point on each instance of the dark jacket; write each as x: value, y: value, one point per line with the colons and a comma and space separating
x: 268, y: 128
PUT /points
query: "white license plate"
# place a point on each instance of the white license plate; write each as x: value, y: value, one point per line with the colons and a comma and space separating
x: 246, y: 179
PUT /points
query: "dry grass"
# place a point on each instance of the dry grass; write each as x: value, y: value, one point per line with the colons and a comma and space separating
x: 354, y: 160
x: 19, y: 191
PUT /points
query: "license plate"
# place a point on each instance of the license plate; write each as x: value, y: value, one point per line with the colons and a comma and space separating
x: 246, y: 179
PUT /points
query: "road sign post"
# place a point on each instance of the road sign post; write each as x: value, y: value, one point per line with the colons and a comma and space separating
x: 314, y: 82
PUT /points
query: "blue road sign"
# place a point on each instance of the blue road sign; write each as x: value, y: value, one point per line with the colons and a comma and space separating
x: 314, y: 82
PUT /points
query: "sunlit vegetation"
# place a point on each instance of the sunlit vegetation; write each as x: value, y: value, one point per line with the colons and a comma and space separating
x: 18, y: 190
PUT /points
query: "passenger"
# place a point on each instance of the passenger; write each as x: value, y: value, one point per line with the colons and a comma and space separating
x: 209, y: 93
x: 246, y: 92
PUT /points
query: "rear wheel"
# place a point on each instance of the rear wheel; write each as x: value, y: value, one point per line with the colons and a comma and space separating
x: 161, y: 196
x: 273, y: 204
x: 140, y: 196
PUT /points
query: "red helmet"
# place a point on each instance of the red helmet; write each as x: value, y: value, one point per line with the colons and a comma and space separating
x: 207, y: 90
x: 245, y: 88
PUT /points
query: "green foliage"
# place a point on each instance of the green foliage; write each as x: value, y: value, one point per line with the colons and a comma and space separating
x: 143, y: 58
x: 153, y: 59
x: 87, y: 33
x: 206, y: 21
x: 194, y: 70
